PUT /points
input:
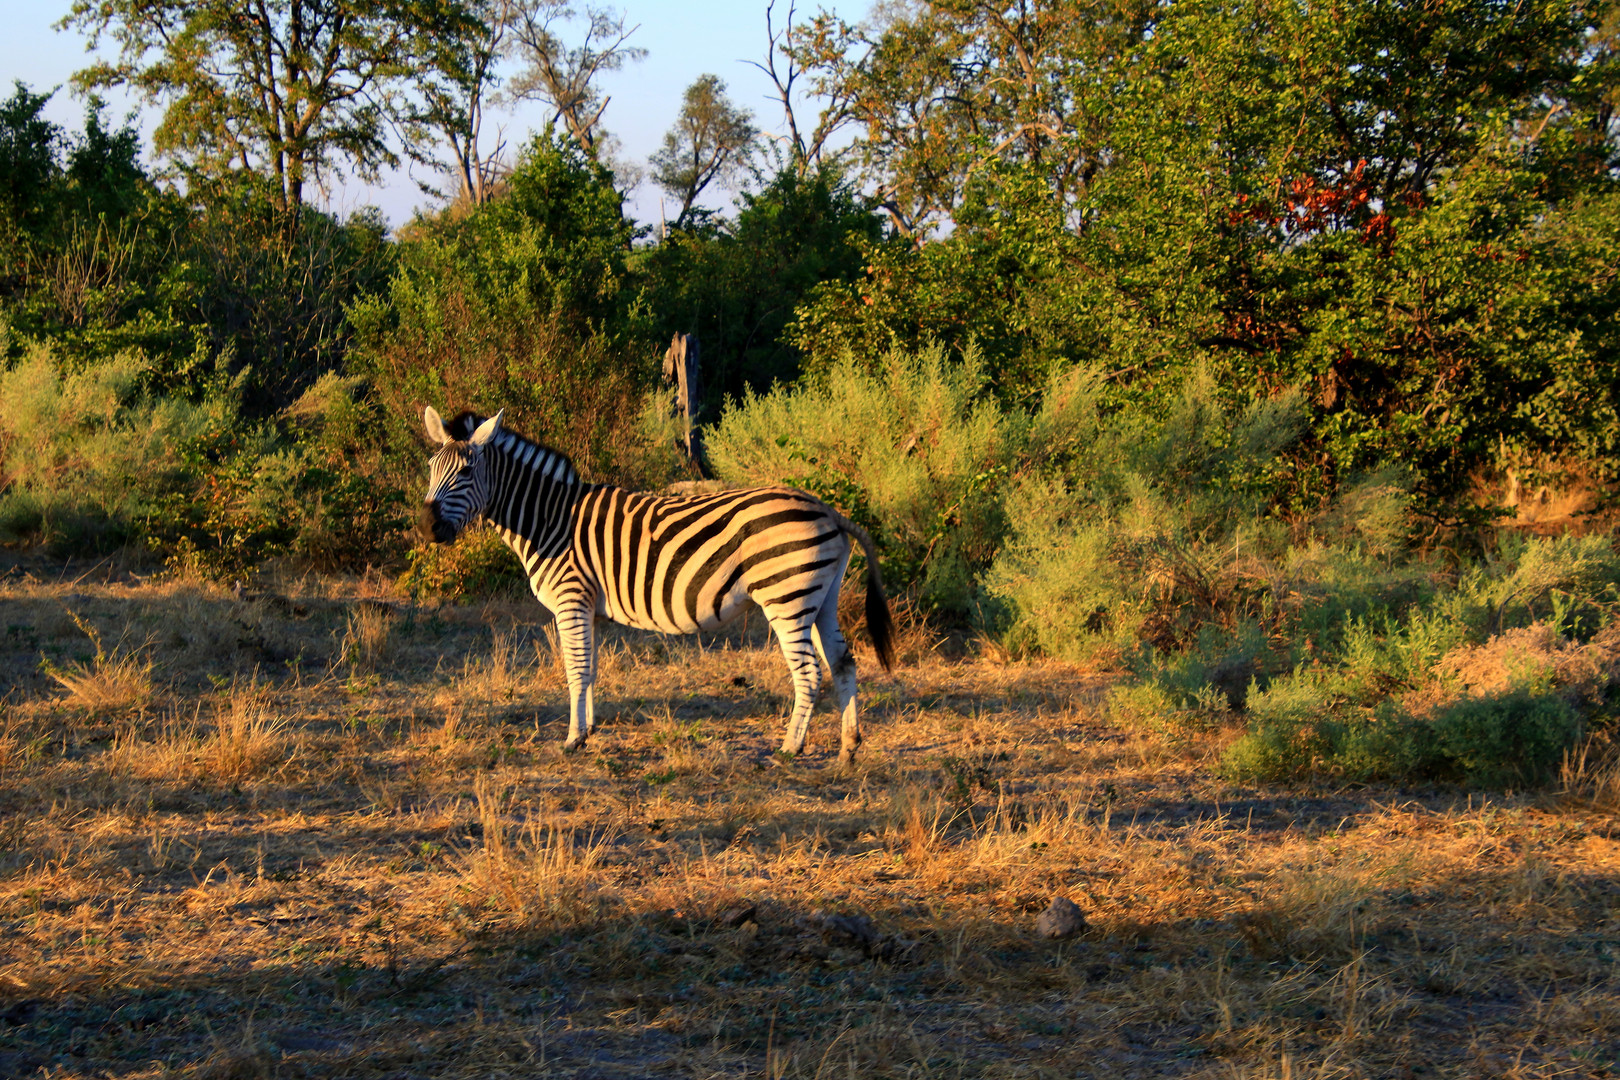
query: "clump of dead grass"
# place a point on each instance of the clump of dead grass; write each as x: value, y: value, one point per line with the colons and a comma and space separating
x: 1535, y: 656
x: 1323, y: 911
x: 1590, y: 776
x: 500, y: 677
x: 168, y: 752
x: 529, y: 872
x: 367, y: 639
x: 249, y: 735
x: 119, y: 679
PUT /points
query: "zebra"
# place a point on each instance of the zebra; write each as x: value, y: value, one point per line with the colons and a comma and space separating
x: 677, y: 564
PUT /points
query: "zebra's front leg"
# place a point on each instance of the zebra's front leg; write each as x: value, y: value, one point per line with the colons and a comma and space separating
x: 577, y: 638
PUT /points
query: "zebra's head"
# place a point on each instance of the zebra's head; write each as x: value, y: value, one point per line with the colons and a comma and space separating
x: 458, y: 478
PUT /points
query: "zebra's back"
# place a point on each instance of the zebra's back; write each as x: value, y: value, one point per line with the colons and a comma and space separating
x: 684, y: 563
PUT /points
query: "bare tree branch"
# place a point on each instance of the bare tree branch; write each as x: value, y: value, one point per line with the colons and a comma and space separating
x: 563, y: 77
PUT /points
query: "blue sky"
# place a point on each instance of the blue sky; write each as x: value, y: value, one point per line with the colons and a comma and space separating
x: 683, y: 41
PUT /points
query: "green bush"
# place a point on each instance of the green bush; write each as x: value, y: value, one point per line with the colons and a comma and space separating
x: 736, y: 284
x: 1135, y: 529
x: 309, y: 487
x: 88, y: 457
x: 1463, y: 684
x: 478, y: 564
x: 524, y: 304
x: 1299, y: 728
x: 1175, y: 717
x: 1517, y: 737
x: 93, y: 460
x: 913, y: 449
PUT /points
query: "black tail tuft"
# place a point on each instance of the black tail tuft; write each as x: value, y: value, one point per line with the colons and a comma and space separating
x: 879, y: 623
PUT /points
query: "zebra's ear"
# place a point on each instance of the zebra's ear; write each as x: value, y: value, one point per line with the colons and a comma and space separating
x: 486, y: 431
x: 434, y: 423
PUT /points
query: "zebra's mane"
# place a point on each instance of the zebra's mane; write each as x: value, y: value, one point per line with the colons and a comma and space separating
x: 461, y: 428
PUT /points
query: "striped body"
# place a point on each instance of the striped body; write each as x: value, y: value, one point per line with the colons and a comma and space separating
x: 677, y: 564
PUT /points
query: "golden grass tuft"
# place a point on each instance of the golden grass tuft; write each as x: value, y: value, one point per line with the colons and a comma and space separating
x: 169, y: 750
x: 1590, y: 776
x: 117, y: 680
x: 368, y: 635
x: 249, y: 735
x: 528, y: 871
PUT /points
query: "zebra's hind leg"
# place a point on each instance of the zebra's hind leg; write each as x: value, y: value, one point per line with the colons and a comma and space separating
x: 835, y: 653
x: 805, y: 667
x: 576, y: 635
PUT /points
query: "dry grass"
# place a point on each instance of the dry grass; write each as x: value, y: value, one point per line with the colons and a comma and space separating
x: 119, y: 680
x: 1591, y: 777
x: 248, y: 734
x: 348, y: 844
x: 366, y: 637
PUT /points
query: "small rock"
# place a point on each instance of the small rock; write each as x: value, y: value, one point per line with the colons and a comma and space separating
x: 856, y: 929
x: 1061, y: 919
x: 738, y: 915
x: 849, y: 932
x: 844, y: 957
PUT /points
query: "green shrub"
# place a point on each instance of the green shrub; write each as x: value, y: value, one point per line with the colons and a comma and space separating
x: 88, y: 456
x: 1176, y: 717
x: 524, y: 304
x: 1502, y: 713
x: 478, y: 564
x: 93, y: 459
x: 913, y: 449
x: 1130, y: 528
x: 298, y: 490
x: 1517, y: 737
x: 1314, y: 721
x: 1290, y: 726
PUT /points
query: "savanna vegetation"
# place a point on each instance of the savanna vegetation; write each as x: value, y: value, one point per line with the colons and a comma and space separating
x: 1230, y: 388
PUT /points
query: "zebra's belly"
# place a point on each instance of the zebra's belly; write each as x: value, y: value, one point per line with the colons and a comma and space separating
x: 676, y: 621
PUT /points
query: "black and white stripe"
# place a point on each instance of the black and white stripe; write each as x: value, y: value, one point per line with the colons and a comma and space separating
x: 677, y: 564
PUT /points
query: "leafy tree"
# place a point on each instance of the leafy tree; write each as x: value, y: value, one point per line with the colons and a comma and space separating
x: 1386, y: 205
x: 1285, y: 213
x: 29, y: 145
x: 712, y: 140
x: 943, y: 88
x: 736, y: 284
x: 455, y: 93
x: 103, y: 167
x: 807, y: 149
x: 273, y: 305
x: 288, y: 87
x: 525, y: 303
x: 84, y: 249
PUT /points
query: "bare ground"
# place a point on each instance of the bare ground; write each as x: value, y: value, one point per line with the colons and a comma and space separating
x: 317, y: 831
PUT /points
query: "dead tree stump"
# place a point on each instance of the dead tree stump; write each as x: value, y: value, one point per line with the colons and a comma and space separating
x: 681, y: 371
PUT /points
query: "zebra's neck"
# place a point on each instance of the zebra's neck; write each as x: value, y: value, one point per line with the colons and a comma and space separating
x: 532, y: 491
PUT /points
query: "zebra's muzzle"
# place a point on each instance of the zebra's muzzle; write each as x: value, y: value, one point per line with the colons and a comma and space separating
x: 432, y: 527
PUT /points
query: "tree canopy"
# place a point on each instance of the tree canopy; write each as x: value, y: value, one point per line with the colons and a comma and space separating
x: 290, y: 88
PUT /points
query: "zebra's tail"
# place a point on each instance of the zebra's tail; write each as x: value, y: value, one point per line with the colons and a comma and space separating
x: 879, y: 623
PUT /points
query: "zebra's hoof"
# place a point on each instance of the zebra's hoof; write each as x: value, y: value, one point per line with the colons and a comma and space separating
x: 572, y: 744
x: 846, y: 758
